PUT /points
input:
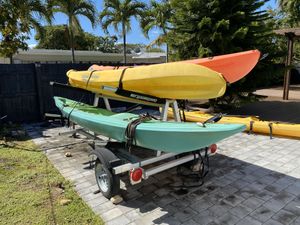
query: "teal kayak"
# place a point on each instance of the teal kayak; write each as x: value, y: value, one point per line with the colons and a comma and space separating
x: 176, y: 137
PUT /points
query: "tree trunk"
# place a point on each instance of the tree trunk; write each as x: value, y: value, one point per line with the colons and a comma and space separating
x: 167, y: 46
x: 124, y: 41
x: 72, y: 40
x: 167, y: 53
x: 11, y: 59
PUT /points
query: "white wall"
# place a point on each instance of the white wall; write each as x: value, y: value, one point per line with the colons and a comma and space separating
x: 64, y: 56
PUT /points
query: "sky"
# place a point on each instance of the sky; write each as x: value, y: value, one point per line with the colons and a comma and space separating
x: 134, y: 36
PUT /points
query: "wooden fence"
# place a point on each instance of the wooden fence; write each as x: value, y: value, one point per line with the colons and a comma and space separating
x: 25, y: 90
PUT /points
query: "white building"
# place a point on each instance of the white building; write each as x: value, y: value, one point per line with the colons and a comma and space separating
x: 65, y: 56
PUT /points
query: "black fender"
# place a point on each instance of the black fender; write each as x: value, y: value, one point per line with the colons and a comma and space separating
x: 106, y: 157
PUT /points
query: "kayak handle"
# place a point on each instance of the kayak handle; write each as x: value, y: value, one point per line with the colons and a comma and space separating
x: 264, y: 56
x: 3, y: 117
x: 213, y: 119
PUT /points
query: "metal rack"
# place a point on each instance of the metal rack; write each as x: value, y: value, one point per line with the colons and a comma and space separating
x: 112, y: 161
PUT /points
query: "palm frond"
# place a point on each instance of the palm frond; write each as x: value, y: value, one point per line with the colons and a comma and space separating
x: 107, y: 22
x: 160, y: 40
x: 156, y: 16
x: 75, y: 7
x: 88, y: 14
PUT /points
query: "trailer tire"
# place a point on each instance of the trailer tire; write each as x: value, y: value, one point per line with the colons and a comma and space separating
x: 108, y: 183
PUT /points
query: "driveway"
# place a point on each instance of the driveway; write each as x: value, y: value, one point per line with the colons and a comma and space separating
x: 252, y: 180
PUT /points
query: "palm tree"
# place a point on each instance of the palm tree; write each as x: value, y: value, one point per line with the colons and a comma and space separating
x: 18, y: 18
x: 74, y: 8
x: 157, y: 16
x: 119, y: 12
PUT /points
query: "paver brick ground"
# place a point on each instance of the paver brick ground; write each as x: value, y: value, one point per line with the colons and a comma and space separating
x: 252, y: 180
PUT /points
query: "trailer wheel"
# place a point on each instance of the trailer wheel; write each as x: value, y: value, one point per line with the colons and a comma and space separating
x: 108, y: 183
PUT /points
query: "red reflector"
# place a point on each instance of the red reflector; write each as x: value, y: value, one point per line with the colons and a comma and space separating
x: 213, y: 148
x: 136, y: 174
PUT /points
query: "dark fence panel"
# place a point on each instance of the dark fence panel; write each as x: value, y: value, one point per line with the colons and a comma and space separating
x: 26, y: 94
x: 18, y: 96
x: 57, y: 73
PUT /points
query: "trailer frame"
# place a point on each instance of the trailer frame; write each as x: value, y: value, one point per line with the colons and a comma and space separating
x: 110, y: 163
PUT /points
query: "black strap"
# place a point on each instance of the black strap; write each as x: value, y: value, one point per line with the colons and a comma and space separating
x: 271, y: 130
x: 131, y: 128
x: 182, y: 115
x: 90, y: 76
x: 251, y: 127
x: 198, y: 176
x: 121, y: 78
x: 182, y: 107
x: 87, y: 83
x: 135, y: 95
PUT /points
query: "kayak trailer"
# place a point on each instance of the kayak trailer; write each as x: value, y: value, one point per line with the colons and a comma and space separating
x: 112, y: 159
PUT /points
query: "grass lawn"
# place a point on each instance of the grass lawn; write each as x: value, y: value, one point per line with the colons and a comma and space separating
x: 32, y: 191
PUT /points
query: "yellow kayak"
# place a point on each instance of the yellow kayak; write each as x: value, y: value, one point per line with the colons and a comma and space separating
x: 167, y: 81
x: 253, y: 123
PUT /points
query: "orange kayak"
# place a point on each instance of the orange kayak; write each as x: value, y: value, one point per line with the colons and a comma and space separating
x: 233, y: 67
